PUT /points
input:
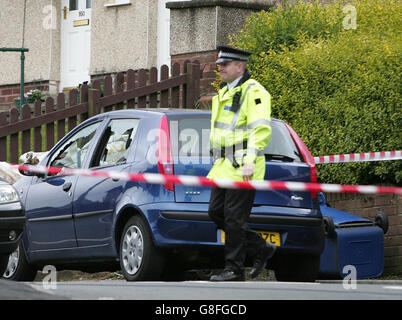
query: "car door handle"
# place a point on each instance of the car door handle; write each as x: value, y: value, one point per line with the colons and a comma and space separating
x: 67, y: 186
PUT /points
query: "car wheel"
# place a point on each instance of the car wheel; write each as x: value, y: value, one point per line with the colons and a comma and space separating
x: 18, y: 269
x: 298, y: 268
x: 139, y: 259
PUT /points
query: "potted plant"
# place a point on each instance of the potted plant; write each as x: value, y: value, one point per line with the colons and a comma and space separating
x: 33, y: 95
x: 29, y: 97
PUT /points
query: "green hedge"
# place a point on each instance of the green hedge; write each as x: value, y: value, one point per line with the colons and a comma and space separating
x: 339, y: 89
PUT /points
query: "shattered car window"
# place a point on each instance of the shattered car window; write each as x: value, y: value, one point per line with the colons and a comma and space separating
x: 72, y: 153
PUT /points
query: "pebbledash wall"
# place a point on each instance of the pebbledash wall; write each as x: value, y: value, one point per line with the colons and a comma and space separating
x: 367, y: 206
x: 41, y: 65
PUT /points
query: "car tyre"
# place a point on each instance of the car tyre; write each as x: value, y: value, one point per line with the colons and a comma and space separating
x: 140, y: 260
x: 18, y: 268
x: 298, y: 268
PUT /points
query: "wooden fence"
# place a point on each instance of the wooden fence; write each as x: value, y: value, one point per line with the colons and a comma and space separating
x: 40, y: 127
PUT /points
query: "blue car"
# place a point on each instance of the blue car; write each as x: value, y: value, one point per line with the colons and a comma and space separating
x: 354, y: 246
x: 157, y: 231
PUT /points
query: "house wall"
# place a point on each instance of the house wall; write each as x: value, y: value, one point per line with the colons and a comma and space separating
x: 123, y: 37
x: 41, y: 38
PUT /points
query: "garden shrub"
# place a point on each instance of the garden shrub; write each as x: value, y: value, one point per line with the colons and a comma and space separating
x: 339, y: 89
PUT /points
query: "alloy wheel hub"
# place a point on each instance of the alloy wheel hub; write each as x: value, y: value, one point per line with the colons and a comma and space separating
x: 132, y: 250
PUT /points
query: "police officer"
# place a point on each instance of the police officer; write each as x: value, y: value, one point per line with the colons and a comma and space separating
x: 240, y: 130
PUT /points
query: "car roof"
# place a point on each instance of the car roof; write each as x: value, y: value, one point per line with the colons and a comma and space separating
x: 156, y: 112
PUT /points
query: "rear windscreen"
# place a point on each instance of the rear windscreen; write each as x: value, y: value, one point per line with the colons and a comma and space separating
x: 189, y: 136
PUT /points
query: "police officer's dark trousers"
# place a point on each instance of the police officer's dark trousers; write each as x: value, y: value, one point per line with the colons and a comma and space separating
x: 230, y: 210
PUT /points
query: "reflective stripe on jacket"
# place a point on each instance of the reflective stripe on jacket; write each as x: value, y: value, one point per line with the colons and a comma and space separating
x: 251, y: 123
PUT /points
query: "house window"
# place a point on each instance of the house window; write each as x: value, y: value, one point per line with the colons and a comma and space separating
x: 73, y: 5
x: 88, y: 4
x: 115, y: 3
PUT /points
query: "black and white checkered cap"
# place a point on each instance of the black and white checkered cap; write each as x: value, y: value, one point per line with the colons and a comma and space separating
x: 227, y: 54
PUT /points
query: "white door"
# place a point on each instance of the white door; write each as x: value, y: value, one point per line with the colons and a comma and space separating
x: 164, y: 33
x: 75, y: 42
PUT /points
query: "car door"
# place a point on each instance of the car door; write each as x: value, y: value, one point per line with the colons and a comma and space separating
x: 95, y: 197
x: 49, y: 208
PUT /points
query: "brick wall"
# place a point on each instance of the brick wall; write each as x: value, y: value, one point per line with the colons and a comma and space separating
x: 12, y: 91
x: 367, y: 206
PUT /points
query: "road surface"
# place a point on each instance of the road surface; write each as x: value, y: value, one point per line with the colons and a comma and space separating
x: 202, y: 290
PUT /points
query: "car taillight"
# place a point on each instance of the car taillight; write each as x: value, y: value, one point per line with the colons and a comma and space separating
x: 164, y: 153
x: 308, y: 158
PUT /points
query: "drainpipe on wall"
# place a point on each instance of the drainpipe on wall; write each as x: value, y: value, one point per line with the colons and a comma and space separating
x: 22, y: 50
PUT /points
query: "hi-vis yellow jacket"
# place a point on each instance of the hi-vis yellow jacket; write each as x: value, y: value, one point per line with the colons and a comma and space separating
x: 231, y: 127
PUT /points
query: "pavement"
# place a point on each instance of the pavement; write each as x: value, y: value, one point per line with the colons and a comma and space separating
x: 12, y: 290
x: 196, y: 290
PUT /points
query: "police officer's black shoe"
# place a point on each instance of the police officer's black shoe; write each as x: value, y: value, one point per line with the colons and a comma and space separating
x: 228, y: 275
x: 262, y: 259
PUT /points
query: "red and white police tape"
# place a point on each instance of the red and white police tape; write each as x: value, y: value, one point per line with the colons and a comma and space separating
x: 358, y: 157
x: 188, y: 180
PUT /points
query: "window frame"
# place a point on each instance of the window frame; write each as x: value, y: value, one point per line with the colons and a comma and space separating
x: 76, y: 4
x: 97, y: 153
x: 51, y: 158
